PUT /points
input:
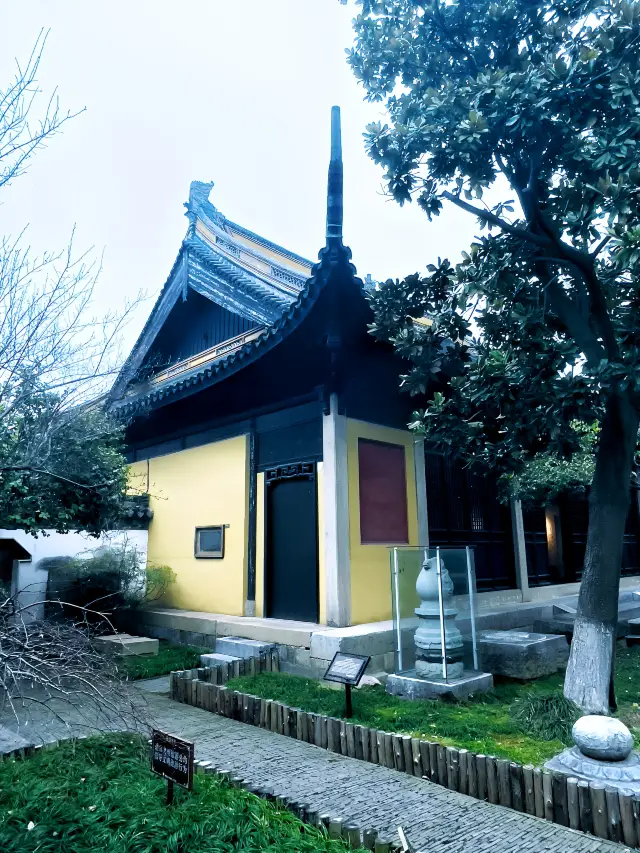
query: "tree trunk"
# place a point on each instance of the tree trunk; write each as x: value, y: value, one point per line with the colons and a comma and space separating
x: 590, y: 668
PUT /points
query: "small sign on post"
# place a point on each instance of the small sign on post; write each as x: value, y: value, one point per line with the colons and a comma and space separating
x: 172, y: 758
x: 348, y: 670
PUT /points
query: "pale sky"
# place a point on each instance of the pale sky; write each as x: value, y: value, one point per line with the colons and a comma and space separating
x: 234, y: 91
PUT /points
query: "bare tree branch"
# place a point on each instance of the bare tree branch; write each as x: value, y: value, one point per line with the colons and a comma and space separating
x: 20, y: 136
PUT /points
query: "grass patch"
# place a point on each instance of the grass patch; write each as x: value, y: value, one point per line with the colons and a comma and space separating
x: 169, y: 659
x: 528, y: 723
x: 99, y: 794
x: 549, y: 717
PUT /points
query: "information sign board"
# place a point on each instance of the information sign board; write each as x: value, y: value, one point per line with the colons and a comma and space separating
x: 347, y: 669
x: 172, y: 758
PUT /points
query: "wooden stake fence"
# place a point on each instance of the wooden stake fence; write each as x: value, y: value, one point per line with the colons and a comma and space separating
x: 591, y: 807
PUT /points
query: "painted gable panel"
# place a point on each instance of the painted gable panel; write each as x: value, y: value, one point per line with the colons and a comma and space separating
x: 194, y: 325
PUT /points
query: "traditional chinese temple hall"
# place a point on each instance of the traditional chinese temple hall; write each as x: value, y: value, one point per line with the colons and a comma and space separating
x: 268, y: 428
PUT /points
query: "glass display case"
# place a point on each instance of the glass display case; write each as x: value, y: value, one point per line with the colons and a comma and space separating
x: 433, y: 592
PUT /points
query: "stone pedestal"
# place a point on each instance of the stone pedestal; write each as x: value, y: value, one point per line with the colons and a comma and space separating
x: 518, y: 654
x: 603, y: 753
x: 411, y: 686
x: 428, y: 637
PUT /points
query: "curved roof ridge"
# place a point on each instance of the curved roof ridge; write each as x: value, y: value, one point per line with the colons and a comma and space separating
x: 329, y: 257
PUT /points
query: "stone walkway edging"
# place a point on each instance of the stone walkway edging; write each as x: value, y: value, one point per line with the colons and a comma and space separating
x: 591, y: 807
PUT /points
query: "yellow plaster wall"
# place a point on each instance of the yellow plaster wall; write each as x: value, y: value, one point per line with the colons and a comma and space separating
x: 260, y: 543
x: 370, y: 579
x: 195, y: 488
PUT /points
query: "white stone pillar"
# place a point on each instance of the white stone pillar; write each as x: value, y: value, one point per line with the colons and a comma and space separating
x: 336, y: 517
x: 421, y: 492
x: 520, y: 549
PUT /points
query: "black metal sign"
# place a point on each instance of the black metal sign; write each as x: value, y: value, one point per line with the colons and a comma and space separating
x: 347, y: 669
x: 172, y: 758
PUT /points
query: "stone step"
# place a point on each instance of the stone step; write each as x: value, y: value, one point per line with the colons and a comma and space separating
x: 556, y: 625
x: 633, y: 632
x: 241, y: 647
x: 564, y: 625
x: 564, y: 609
x: 215, y: 658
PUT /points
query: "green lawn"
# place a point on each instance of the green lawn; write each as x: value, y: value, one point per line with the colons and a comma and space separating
x: 168, y: 659
x: 99, y: 795
x: 528, y: 723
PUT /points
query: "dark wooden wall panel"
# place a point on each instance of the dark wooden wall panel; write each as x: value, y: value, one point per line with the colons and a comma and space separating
x: 194, y: 325
x: 383, y: 493
x: 464, y: 509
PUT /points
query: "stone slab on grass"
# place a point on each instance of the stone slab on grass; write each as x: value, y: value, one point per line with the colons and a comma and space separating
x: 410, y: 686
x: 126, y: 644
x: 522, y: 655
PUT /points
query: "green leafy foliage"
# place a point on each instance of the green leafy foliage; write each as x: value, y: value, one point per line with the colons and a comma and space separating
x: 99, y: 794
x: 493, y: 723
x: 108, y: 579
x: 525, y: 115
x: 60, y: 469
x: 546, y: 476
x: 169, y: 659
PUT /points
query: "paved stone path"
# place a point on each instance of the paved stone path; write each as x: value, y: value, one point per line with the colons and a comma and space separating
x: 435, y: 819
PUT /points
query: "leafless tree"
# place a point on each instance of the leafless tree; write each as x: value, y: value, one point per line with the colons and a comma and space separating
x: 54, y: 675
x: 22, y: 133
x: 55, y: 352
x: 56, y: 360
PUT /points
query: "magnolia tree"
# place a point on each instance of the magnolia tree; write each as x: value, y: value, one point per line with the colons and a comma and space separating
x: 526, y: 115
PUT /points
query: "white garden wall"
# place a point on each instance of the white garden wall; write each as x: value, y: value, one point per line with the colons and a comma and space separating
x: 29, y: 582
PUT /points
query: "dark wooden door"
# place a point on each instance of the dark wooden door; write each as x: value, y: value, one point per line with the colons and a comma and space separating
x: 292, y: 543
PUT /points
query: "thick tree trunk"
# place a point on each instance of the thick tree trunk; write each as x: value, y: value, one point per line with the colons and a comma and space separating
x: 591, y: 660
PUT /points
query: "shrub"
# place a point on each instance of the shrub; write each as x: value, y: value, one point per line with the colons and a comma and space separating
x: 108, y: 579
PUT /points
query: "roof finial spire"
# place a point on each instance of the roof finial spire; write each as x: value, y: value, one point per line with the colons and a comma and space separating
x: 334, y: 188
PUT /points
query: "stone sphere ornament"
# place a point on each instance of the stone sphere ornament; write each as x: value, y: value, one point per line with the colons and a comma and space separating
x: 603, y: 752
x: 603, y: 738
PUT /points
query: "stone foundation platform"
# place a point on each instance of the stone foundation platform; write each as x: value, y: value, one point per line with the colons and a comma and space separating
x: 410, y: 686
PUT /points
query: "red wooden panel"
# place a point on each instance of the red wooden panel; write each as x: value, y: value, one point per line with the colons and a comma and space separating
x: 383, y: 493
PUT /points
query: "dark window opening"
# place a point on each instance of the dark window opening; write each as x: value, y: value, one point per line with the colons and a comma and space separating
x: 209, y: 543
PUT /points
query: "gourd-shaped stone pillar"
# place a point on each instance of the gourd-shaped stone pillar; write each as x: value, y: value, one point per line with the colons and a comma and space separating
x: 428, y: 637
